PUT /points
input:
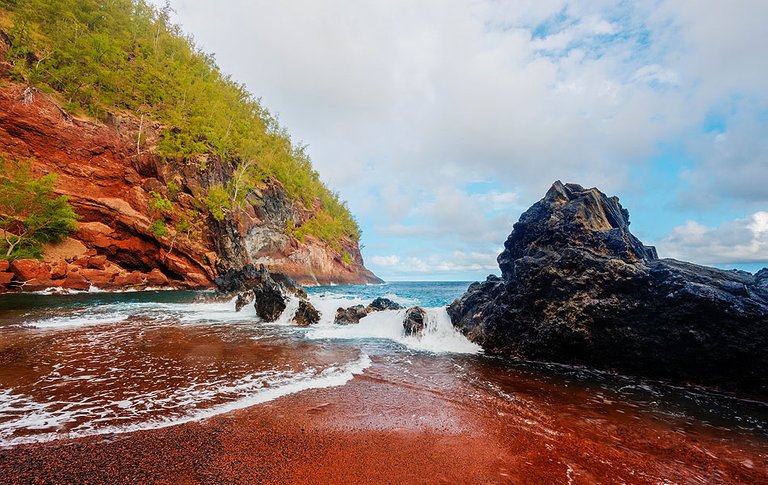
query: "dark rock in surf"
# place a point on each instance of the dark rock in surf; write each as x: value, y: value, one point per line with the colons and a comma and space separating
x: 257, y: 284
x: 269, y: 300
x: 306, y: 314
x: 243, y: 299
x: 383, y: 304
x: 351, y: 315
x: 415, y: 321
x: 577, y: 287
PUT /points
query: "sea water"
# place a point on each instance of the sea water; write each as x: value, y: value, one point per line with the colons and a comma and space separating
x: 94, y: 363
x: 91, y: 363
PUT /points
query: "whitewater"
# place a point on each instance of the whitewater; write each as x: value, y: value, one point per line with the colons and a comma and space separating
x: 103, y: 363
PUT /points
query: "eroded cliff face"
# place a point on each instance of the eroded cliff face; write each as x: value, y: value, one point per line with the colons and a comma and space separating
x: 578, y: 288
x: 108, y: 173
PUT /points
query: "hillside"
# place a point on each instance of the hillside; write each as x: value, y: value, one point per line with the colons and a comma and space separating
x: 171, y: 165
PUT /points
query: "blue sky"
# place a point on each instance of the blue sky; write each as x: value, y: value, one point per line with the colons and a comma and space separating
x: 440, y: 121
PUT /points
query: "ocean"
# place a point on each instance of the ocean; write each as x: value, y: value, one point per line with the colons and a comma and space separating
x: 105, y: 363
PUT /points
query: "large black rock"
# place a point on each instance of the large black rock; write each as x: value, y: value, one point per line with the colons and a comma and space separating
x: 578, y: 288
x: 269, y: 300
x: 415, y: 321
x: 256, y: 284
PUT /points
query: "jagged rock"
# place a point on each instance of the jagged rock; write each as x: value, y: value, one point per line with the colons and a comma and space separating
x: 74, y: 281
x: 59, y: 270
x: 268, y: 290
x: 290, y: 285
x: 761, y: 279
x: 351, y: 315
x: 269, y: 300
x: 577, y: 287
x: 243, y: 299
x: 231, y: 280
x: 97, y: 262
x: 415, y: 321
x: 383, y: 304
x: 134, y: 278
x: 306, y: 314
x: 38, y: 284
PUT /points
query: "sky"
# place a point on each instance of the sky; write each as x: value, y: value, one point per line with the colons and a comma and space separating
x: 441, y: 121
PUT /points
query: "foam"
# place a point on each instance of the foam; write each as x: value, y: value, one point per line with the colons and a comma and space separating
x: 20, y: 412
x: 440, y: 336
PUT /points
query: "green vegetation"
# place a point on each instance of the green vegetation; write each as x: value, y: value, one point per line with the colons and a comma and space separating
x: 102, y: 56
x: 30, y: 213
x: 158, y: 228
x: 159, y: 207
x: 158, y: 203
x: 217, y: 201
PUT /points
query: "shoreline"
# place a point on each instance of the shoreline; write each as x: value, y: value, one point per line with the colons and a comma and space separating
x: 383, y: 426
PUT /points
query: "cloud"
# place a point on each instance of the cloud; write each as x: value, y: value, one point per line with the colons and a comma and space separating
x: 405, y: 104
x: 732, y: 163
x: 456, y: 262
x: 452, y: 216
x: 742, y: 240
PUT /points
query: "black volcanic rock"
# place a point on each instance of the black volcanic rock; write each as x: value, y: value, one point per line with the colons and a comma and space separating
x: 243, y: 299
x: 415, y: 321
x: 351, y: 315
x: 256, y: 284
x: 578, y: 288
x: 380, y: 304
x: 269, y: 300
x: 306, y: 314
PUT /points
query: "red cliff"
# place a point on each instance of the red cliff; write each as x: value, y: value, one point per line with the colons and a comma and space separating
x: 109, y: 183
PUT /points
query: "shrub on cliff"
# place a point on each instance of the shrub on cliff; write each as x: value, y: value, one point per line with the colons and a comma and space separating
x: 30, y: 213
x: 127, y: 55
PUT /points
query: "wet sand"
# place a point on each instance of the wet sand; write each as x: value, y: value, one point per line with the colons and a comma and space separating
x: 386, y: 427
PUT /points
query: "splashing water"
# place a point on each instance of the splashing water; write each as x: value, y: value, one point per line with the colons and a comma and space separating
x: 96, y: 363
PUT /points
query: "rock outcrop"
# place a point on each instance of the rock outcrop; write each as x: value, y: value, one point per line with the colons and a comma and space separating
x: 578, y: 288
x: 353, y: 314
x: 380, y: 304
x: 306, y: 314
x: 76, y: 274
x: 268, y: 292
x: 255, y: 284
x: 350, y: 315
x: 415, y: 321
x: 109, y: 179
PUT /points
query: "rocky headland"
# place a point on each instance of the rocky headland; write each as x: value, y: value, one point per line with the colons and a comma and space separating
x: 110, y: 181
x: 577, y: 287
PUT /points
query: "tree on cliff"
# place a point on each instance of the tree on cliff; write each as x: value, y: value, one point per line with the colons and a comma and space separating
x: 30, y: 213
x: 104, y: 57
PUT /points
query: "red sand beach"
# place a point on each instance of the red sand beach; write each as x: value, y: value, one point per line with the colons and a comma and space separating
x: 382, y: 427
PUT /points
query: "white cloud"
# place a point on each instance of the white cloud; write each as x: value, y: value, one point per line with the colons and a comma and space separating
x: 403, y: 103
x: 452, y: 214
x: 386, y: 261
x: 732, y: 164
x: 739, y: 241
x: 456, y: 262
